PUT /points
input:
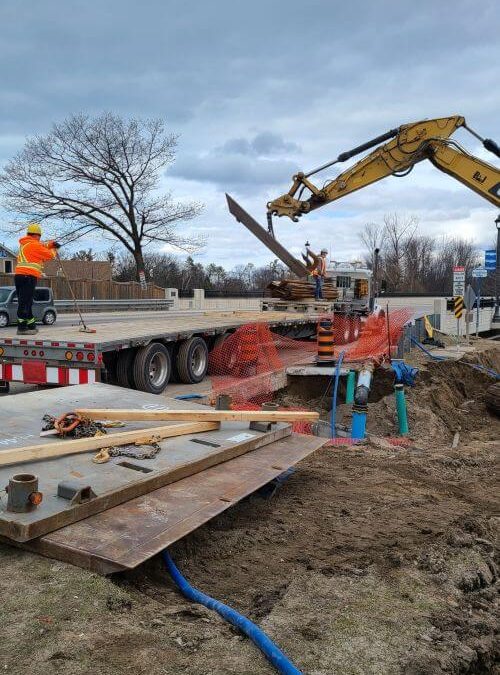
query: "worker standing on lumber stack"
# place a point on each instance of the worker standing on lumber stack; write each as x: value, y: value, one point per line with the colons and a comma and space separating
x: 319, y: 271
x: 32, y: 254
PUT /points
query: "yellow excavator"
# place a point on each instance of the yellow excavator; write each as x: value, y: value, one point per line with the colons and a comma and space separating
x: 407, y: 145
x: 396, y: 153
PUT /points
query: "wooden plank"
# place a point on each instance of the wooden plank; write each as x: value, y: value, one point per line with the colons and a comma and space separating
x: 55, y: 512
x: 198, y: 415
x: 63, y: 447
x: 131, y: 533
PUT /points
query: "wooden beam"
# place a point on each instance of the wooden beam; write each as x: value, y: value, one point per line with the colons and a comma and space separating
x: 63, y: 447
x: 198, y: 415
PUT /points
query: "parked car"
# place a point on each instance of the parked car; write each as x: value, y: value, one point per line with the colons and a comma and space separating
x: 44, y: 310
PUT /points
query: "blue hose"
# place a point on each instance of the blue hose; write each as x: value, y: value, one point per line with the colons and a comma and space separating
x: 476, y: 366
x: 258, y: 637
x: 334, y: 395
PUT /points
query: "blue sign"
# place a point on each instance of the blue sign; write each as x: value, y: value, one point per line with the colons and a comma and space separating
x: 490, y: 259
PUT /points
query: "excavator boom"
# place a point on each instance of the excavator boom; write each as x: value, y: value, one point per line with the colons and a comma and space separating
x: 406, y: 146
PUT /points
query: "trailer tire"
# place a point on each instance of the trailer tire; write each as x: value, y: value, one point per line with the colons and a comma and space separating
x: 49, y: 318
x: 342, y: 333
x: 219, y: 340
x: 192, y: 360
x: 152, y: 368
x: 124, y: 369
x: 356, y: 328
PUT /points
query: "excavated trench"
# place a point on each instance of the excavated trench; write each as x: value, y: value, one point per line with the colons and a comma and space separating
x: 376, y: 559
x: 370, y: 559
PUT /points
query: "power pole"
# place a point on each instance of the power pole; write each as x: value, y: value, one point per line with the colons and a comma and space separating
x: 496, y: 315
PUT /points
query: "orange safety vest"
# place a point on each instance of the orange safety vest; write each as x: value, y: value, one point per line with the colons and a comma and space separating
x: 321, y: 267
x: 32, y: 254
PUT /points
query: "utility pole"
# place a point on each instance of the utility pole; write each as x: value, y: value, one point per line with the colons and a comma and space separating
x: 496, y: 315
x: 374, y: 293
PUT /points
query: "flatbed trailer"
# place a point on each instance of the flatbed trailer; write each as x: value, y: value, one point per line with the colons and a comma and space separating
x: 138, y: 353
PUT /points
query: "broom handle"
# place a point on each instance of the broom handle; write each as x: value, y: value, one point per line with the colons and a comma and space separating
x: 75, y: 301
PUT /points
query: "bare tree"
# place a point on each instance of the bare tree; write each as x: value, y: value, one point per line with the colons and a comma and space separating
x: 373, y: 236
x: 413, y: 263
x: 100, y: 175
x: 399, y: 232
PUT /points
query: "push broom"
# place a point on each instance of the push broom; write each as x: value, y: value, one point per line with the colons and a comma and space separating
x: 83, y: 328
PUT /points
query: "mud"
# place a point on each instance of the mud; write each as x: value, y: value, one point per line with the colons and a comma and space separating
x: 374, y: 559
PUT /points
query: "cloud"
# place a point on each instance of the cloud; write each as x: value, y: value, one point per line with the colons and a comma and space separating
x: 257, y: 93
x: 265, y: 143
x: 241, y: 163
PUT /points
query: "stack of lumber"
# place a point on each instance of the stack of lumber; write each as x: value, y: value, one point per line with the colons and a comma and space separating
x: 301, y: 289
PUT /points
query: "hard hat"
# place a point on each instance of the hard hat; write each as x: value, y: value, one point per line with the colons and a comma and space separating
x: 324, y: 250
x: 34, y: 228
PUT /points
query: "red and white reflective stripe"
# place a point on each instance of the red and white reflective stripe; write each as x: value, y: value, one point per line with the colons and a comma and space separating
x: 17, y: 373
x: 56, y: 375
x: 76, y: 376
x: 11, y: 372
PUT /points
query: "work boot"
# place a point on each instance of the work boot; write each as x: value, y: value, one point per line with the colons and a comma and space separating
x: 31, y: 328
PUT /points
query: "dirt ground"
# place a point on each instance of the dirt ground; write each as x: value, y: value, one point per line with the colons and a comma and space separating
x: 369, y: 560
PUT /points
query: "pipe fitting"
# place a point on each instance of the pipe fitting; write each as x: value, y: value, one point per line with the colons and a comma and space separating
x: 361, y: 395
x: 22, y: 493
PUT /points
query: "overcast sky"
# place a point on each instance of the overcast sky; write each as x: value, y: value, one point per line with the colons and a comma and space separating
x: 260, y: 89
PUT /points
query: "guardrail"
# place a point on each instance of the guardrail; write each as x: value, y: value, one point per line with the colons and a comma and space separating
x: 114, y: 305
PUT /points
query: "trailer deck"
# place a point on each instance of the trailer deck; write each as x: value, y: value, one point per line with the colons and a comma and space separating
x: 135, y: 333
x: 62, y: 354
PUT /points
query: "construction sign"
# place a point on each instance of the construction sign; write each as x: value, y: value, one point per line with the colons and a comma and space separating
x: 458, y: 306
x: 458, y: 280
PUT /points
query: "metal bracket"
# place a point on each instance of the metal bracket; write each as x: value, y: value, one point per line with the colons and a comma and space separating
x: 75, y: 492
x: 261, y: 426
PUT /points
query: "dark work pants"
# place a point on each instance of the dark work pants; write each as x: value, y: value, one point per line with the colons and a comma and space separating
x: 318, y: 292
x: 25, y: 287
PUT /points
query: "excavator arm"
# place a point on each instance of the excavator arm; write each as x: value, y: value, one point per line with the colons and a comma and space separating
x: 406, y: 146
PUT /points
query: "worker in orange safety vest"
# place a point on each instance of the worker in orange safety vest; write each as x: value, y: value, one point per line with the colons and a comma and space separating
x: 319, y: 271
x: 32, y: 254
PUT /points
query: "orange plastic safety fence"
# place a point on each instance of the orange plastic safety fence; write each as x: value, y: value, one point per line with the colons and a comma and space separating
x: 250, y: 363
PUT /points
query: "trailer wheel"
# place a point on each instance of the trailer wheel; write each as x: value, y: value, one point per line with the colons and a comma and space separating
x: 356, y: 328
x: 152, y: 368
x: 49, y: 318
x: 341, y: 329
x: 219, y: 340
x: 124, y: 369
x: 192, y: 360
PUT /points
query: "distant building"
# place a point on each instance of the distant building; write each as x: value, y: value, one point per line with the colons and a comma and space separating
x: 7, y: 260
x: 92, y: 270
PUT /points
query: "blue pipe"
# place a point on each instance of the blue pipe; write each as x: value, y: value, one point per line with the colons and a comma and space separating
x: 426, y: 351
x: 258, y: 637
x: 476, y: 366
x: 333, y: 414
x: 358, y: 429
